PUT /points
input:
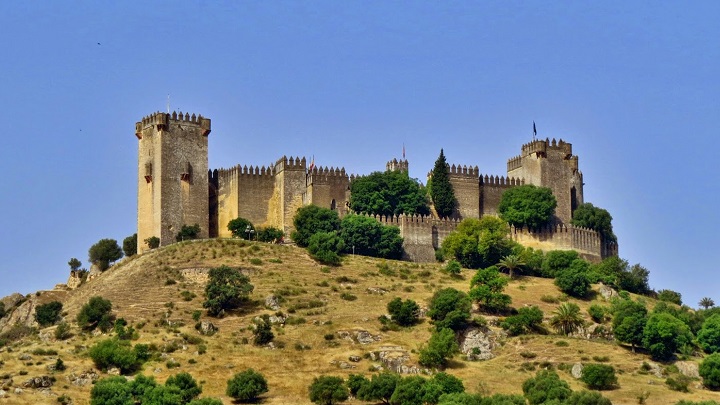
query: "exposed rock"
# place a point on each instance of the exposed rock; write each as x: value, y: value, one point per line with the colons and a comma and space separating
x: 207, y: 328
x: 272, y: 302
x: 6, y: 383
x: 594, y: 331
x: 18, y: 391
x: 25, y: 357
x: 395, y: 358
x: 576, y: 370
x: 12, y: 300
x: 75, y: 279
x: 360, y: 336
x: 94, y: 272
x: 607, y: 292
x: 354, y: 359
x: 688, y: 369
x: 2, y: 393
x: 376, y: 290
x: 114, y: 371
x: 38, y: 382
x: 655, y: 369
x: 343, y: 364
x: 478, y: 343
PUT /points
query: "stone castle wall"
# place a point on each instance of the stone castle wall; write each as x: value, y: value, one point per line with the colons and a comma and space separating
x: 244, y: 192
x: 466, y: 187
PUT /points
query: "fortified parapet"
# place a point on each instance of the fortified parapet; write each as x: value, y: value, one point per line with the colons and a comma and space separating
x: 327, y: 187
x: 244, y: 192
x: 290, y: 187
x: 588, y: 243
x: 551, y: 164
x: 491, y: 191
x: 466, y: 186
x: 397, y: 165
x: 172, y: 175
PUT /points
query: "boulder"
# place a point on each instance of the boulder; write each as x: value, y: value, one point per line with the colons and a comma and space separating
x: 576, y: 370
x: 478, y: 343
x: 360, y: 336
x: 272, y: 302
x: 75, y: 279
x: 207, y: 328
x: 607, y: 292
x: 395, y: 358
x: 94, y: 272
x: 38, y: 382
x: 376, y: 290
x: 688, y: 368
x: 354, y: 359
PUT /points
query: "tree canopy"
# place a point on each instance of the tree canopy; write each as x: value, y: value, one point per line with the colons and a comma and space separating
x: 388, y: 193
x: 239, y: 227
x: 226, y: 289
x: 441, y: 191
x: 366, y: 236
x: 104, y: 252
x: 589, y: 216
x: 130, y: 245
x: 312, y: 219
x: 479, y: 243
x: 527, y: 206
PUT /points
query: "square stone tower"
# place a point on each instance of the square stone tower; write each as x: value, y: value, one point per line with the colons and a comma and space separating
x: 551, y: 164
x: 172, y: 175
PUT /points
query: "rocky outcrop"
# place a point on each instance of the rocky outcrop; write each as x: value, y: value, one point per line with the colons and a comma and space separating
x: 395, y: 358
x: 576, y: 370
x: 272, y: 302
x: 607, y: 292
x: 94, y: 272
x: 83, y: 378
x: 207, y: 328
x: 594, y: 331
x: 359, y: 335
x: 38, y: 382
x: 688, y: 368
x: 77, y: 277
x: 478, y: 343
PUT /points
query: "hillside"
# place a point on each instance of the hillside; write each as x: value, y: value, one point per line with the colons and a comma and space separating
x: 147, y: 291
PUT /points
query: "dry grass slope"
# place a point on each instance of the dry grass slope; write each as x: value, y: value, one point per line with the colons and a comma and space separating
x: 147, y: 291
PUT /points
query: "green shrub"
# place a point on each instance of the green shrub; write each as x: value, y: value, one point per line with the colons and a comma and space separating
x: 453, y: 268
x: 328, y: 390
x: 710, y: 371
x: 96, y: 314
x: 226, y: 289
x: 440, y: 347
x: 679, y: 383
x: 379, y: 388
x: 152, y: 242
x: 574, y: 280
x: 545, y: 386
x: 112, y: 390
x: 263, y: 331
x: 599, y: 376
x: 404, y: 313
x: 270, y: 234
x: 114, y: 353
x: 188, y: 232
x: 449, y: 308
x: 598, y: 313
x: 526, y: 320
x: 241, y: 228
x: 409, y: 391
x: 585, y: 397
x: 189, y: 388
x: 130, y: 245
x: 48, y: 314
x: 325, y: 247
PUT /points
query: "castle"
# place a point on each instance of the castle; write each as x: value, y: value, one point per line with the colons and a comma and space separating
x: 176, y: 188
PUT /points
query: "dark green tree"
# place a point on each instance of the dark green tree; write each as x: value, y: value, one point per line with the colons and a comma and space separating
x: 589, y: 216
x: 96, y: 313
x: 328, y: 390
x: 526, y: 320
x: 664, y: 335
x: 379, y: 388
x: 486, y: 288
x: 130, y: 245
x: 710, y: 371
x: 239, y: 228
x: 246, y: 386
x: 366, y: 236
x: 556, y: 261
x: 709, y: 335
x: 441, y: 383
x: 162, y: 395
x: 189, y: 388
x: 356, y: 382
x: 670, y: 296
x: 152, y: 242
x: 188, y: 232
x: 270, y: 234
x: 263, y: 331
x: 566, y: 318
x: 441, y: 346
x: 112, y: 391
x: 74, y: 264
x: 326, y: 247
x: 629, y: 319
x: 404, y: 313
x: 312, y: 219
x: 479, y: 243
x: 226, y: 289
x: 388, y: 193
x: 104, y: 252
x: 449, y: 308
x: 599, y: 376
x: 110, y: 353
x: 441, y: 191
x: 527, y: 206
x: 545, y: 386
x: 409, y: 391
x: 205, y: 401
x: 635, y: 280
x: 48, y: 314
x: 574, y: 280
x: 706, y: 303
x: 586, y: 397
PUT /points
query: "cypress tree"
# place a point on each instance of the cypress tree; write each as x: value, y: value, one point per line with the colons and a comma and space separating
x: 441, y: 190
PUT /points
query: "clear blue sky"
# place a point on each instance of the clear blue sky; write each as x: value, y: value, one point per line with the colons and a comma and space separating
x: 634, y: 86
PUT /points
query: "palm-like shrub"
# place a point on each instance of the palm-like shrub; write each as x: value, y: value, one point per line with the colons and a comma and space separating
x: 511, y: 263
x: 566, y: 318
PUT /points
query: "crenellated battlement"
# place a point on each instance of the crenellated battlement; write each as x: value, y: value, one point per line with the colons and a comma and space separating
x: 542, y: 147
x: 463, y: 171
x: 327, y: 175
x: 246, y: 172
x: 160, y: 121
x: 500, y: 181
x: 290, y: 163
x: 401, y: 165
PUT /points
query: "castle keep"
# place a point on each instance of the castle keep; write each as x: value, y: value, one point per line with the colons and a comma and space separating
x: 176, y: 188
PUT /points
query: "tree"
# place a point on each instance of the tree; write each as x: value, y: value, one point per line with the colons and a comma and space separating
x: 453, y: 268
x: 566, y: 318
x: 112, y: 391
x: 48, y: 314
x: 710, y: 371
x: 664, y: 335
x: 441, y: 383
x: 326, y: 247
x: 586, y: 397
x: 486, y: 288
x: 389, y: 193
x: 706, y: 302
x: 226, y: 289
x: 449, y: 308
x: 110, y: 353
x: 545, y: 386
x: 104, y: 252
x: 205, y: 401
x: 356, y: 382
x: 96, y: 313
x: 152, y: 242
x: 74, y: 264
x: 270, y: 234
x: 526, y: 320
x: 441, y: 190
x: 599, y: 376
x: 629, y: 319
x: 511, y: 263
x: 130, y: 245
x: 188, y: 232
x: 440, y: 347
x: 379, y: 388
x: 409, y: 391
x: 263, y: 331
x: 635, y: 280
x: 189, y: 388
x: 574, y: 280
x: 162, y: 395
x: 527, y: 206
x: 312, y: 219
x: 246, y: 386
x: 404, y: 313
x: 479, y: 243
x: 239, y: 228
x: 709, y: 335
x: 366, y: 236
x: 328, y: 390
x: 588, y: 216
x: 556, y: 261
x: 670, y: 296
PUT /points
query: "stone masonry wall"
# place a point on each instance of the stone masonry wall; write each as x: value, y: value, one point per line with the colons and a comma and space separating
x: 466, y: 187
x: 244, y: 192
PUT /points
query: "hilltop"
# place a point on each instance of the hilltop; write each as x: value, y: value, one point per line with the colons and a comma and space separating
x: 330, y: 315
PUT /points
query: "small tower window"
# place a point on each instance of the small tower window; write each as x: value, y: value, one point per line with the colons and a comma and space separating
x: 187, y: 173
x: 148, y: 172
x: 332, y: 205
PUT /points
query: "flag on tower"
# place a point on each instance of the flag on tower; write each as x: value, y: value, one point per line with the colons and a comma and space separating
x: 312, y: 164
x: 534, y: 130
x: 403, y: 150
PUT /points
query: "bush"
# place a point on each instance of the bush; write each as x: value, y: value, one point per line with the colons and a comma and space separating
x: 440, y: 384
x: 479, y: 243
x: 226, y: 289
x: 48, y: 314
x: 325, y: 247
x: 404, y: 313
x: 152, y: 242
x: 556, y: 261
x: 112, y: 390
x: 449, y: 308
x: 574, y: 280
x: 270, y: 234
x: 312, y: 219
x: 328, y: 390
x: 379, y: 388
x: 189, y: 388
x: 441, y: 346
x: 680, y: 383
x: 356, y: 382
x: 587, y: 398
x: 62, y: 331
x: 545, y: 386
x: 710, y: 371
x: 206, y: 401
x: 588, y: 216
x: 598, y: 313
x: 263, y: 332
x: 239, y: 228
x: 388, y: 193
x: 527, y: 206
x: 113, y: 353
x: 366, y: 236
x: 96, y: 313
x: 130, y: 245
x: 664, y: 335
x: 409, y: 391
x: 599, y: 376
x: 526, y: 320
x: 188, y: 232
x: 670, y: 296
x: 453, y: 268
x: 708, y: 336
x: 104, y: 252
x: 486, y: 288
x: 246, y: 386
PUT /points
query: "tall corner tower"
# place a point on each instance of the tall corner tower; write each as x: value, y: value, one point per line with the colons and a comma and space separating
x: 172, y: 175
x: 551, y: 164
